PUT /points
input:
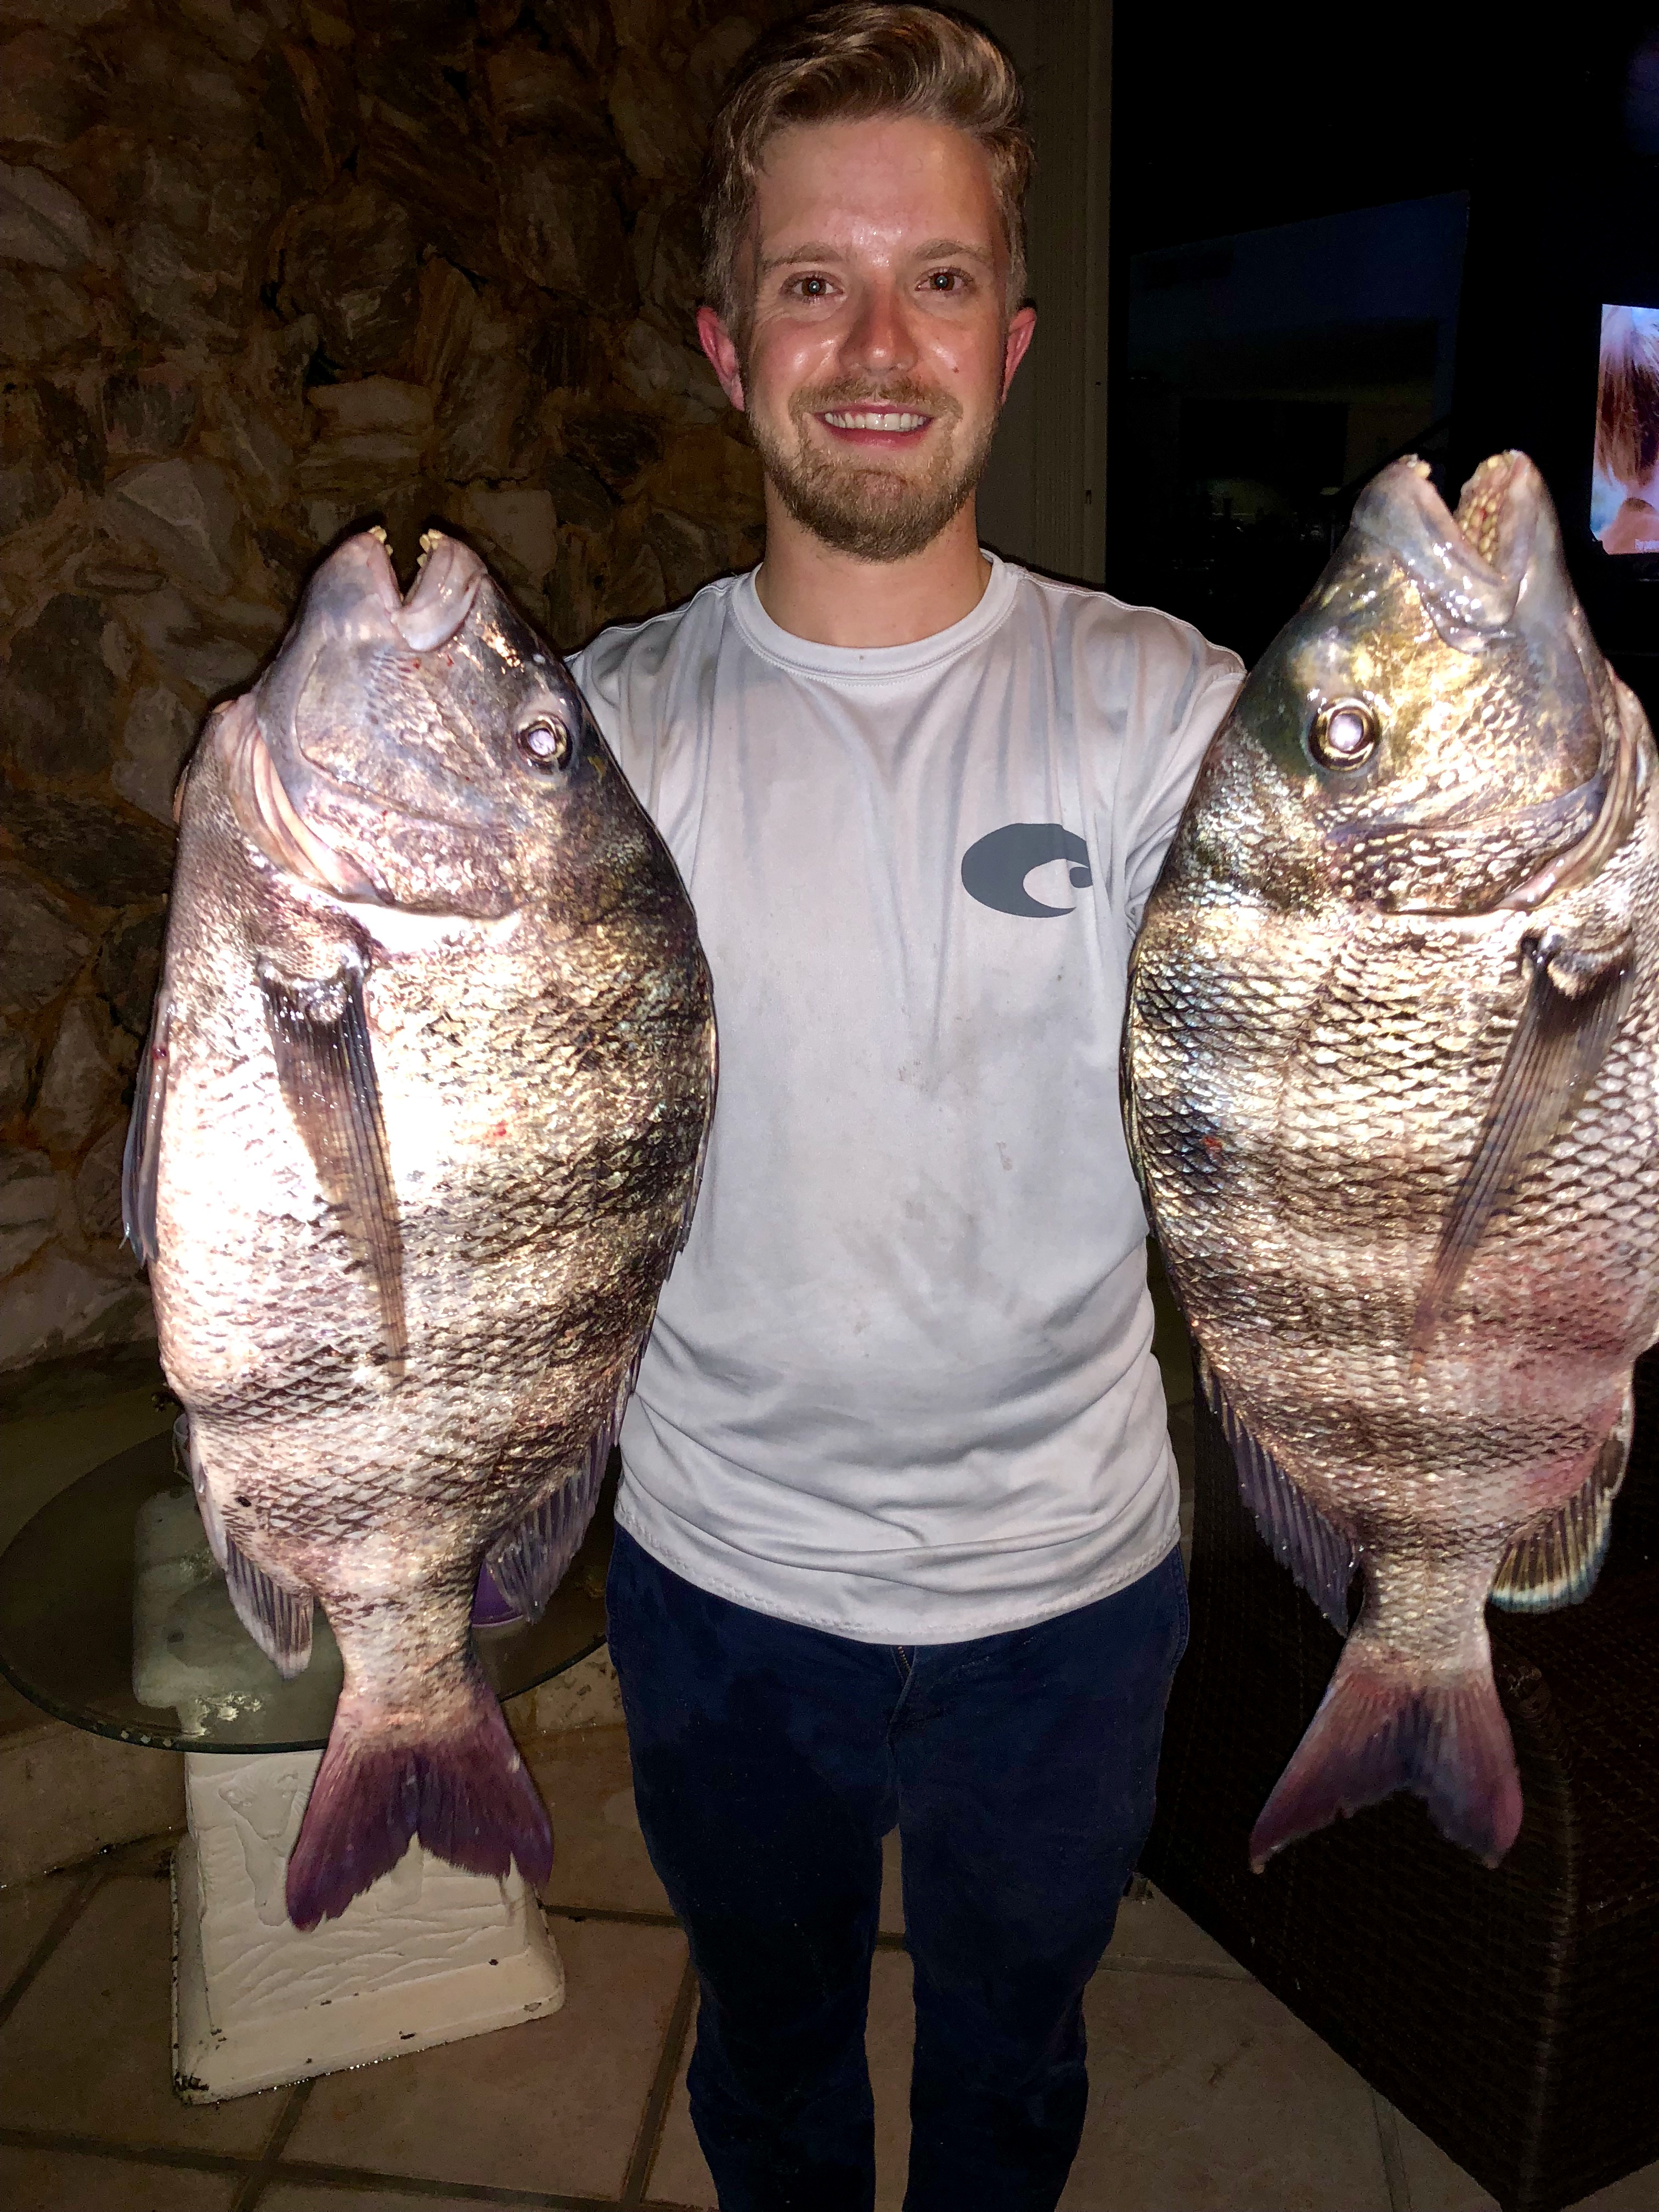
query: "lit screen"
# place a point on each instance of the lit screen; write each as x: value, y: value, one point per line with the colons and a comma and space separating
x: 1624, y: 488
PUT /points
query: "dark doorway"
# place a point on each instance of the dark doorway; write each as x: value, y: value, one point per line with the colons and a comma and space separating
x: 1265, y: 377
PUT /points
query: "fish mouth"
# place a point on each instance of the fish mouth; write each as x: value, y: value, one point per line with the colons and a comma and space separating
x: 1496, y: 564
x: 1496, y: 568
x: 300, y: 812
x: 438, y: 602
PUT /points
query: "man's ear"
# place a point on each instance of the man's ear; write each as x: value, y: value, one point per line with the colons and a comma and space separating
x: 1022, y: 328
x: 716, y: 341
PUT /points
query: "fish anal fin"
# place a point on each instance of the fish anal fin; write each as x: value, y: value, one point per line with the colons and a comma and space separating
x: 325, y: 1068
x: 1574, y: 999
x: 279, y: 1620
x: 141, y: 1159
x: 529, y: 1563
x: 1556, y: 1561
x: 1319, y: 1556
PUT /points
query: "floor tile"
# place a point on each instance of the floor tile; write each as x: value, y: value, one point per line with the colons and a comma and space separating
x: 1151, y: 1931
x: 892, y: 1894
x: 64, y: 2181
x: 1636, y: 2192
x: 88, y: 2049
x: 1210, y: 2096
x: 28, y: 1909
x: 891, y: 2036
x: 679, y: 2176
x: 311, y: 2196
x: 553, y: 2104
x: 599, y: 1854
x: 1438, y: 2184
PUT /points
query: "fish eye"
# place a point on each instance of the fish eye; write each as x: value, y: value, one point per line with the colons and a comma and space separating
x: 546, y: 744
x: 1344, y: 733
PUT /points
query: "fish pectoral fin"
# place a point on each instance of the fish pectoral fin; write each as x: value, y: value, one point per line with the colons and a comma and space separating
x: 1556, y: 1561
x: 325, y: 1068
x: 279, y: 1620
x: 1574, y: 997
x: 142, y: 1157
x: 1320, y: 1556
x: 531, y: 1560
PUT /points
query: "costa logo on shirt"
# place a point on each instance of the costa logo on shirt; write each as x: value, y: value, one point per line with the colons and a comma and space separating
x: 994, y: 868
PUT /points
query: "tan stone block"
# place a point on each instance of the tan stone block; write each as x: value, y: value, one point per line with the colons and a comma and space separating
x: 521, y: 524
x: 586, y: 1695
x: 65, y: 1794
x: 81, y: 1087
x: 373, y: 402
x: 448, y: 310
x: 654, y: 118
x: 59, y: 1304
x: 707, y: 474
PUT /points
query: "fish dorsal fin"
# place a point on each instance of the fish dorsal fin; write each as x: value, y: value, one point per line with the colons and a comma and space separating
x: 1573, y: 1004
x: 1319, y: 1556
x: 141, y: 1160
x: 531, y: 1561
x: 1556, y: 1561
x: 325, y: 1068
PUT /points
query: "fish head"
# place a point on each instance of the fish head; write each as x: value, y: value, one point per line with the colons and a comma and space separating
x: 1434, y: 724
x: 427, y: 751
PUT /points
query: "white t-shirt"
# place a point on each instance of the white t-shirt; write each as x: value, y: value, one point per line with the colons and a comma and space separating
x: 901, y: 1384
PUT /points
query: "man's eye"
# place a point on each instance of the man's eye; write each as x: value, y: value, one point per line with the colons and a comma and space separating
x: 945, y: 280
x: 811, y: 288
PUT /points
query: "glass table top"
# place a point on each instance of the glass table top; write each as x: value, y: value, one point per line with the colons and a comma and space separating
x: 110, y: 1592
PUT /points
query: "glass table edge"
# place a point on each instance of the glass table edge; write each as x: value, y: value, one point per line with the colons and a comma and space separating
x: 171, y: 1740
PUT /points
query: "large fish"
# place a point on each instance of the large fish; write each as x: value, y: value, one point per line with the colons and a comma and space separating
x: 416, y: 1138
x: 1392, y: 1065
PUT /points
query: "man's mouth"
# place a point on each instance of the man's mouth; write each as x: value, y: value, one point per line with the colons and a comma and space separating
x: 875, y: 426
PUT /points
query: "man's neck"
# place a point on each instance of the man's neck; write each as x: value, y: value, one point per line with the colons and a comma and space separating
x: 818, y: 593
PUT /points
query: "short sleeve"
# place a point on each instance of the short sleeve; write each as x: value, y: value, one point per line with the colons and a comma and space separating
x: 599, y: 670
x: 1164, y: 755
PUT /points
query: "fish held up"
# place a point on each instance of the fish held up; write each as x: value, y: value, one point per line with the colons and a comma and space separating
x: 417, y: 1135
x: 1392, y: 1077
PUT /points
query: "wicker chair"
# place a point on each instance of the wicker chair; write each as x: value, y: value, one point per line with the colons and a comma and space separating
x: 1513, y: 2014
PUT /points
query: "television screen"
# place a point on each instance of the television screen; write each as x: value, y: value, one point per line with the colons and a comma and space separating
x: 1624, y: 487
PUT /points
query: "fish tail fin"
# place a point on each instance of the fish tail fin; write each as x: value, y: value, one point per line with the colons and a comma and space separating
x: 457, y: 1783
x: 1377, y: 1732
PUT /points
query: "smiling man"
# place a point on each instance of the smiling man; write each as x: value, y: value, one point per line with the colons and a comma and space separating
x: 897, y: 1535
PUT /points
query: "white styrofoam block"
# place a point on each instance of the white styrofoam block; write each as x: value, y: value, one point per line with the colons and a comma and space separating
x: 427, y: 1955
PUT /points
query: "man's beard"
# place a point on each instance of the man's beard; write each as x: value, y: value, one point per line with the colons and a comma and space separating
x: 879, y: 513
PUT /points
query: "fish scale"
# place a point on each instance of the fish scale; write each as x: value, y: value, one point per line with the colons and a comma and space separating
x: 418, y: 1137
x: 1392, y: 1077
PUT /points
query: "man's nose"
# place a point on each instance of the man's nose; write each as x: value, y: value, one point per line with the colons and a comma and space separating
x: 880, y: 336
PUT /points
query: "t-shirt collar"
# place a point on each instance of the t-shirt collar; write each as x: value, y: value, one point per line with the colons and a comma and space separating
x: 877, y: 663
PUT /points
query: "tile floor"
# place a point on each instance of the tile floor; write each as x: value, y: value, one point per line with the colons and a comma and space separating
x: 1208, y: 2096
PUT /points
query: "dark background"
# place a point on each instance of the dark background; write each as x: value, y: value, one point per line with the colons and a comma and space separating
x: 1275, y: 116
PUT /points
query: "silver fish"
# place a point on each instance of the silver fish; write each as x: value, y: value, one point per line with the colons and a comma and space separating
x: 1392, y: 1073
x: 418, y: 1136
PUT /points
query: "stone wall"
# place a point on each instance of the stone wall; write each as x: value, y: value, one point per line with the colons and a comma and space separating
x: 270, y: 269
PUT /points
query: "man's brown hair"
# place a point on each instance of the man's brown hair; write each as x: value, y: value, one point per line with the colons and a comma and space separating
x: 1628, y: 394
x: 843, y: 64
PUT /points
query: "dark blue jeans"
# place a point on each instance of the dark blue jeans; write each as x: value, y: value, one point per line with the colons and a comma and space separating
x: 769, y: 1761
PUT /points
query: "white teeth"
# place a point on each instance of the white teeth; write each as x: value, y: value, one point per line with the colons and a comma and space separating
x: 867, y: 419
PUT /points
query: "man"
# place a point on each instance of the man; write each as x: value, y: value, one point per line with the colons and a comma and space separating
x: 897, y: 1538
